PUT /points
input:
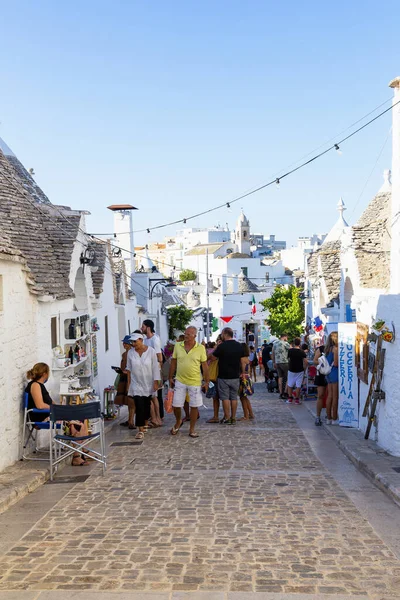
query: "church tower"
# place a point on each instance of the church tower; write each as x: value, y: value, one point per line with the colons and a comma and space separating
x: 242, y: 235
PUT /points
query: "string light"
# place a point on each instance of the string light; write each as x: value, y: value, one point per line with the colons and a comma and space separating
x: 184, y: 221
x: 277, y: 181
x: 338, y: 150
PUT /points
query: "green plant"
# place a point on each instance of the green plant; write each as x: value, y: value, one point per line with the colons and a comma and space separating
x: 188, y: 275
x: 286, y: 312
x: 179, y: 318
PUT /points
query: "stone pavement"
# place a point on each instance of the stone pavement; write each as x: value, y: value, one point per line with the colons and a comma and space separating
x: 24, y: 477
x: 379, y: 466
x: 240, y: 513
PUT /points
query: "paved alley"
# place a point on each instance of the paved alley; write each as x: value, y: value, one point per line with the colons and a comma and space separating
x: 267, y: 509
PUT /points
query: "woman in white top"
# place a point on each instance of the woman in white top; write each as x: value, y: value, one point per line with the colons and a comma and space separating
x: 143, y: 374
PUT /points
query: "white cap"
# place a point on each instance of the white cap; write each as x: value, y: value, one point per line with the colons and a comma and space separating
x: 136, y: 336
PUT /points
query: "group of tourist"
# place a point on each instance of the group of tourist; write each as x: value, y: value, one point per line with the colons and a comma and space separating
x: 221, y: 370
x: 290, y: 362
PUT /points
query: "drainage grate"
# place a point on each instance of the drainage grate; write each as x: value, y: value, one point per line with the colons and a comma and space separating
x: 136, y: 443
x: 72, y: 479
x: 397, y: 469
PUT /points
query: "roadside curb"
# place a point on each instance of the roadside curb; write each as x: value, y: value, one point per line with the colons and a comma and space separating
x: 24, y: 477
x: 367, y: 456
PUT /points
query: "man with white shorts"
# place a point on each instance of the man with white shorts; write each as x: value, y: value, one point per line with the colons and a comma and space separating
x: 297, y: 365
x: 188, y: 362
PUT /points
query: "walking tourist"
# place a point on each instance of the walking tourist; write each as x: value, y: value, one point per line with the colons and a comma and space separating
x: 213, y: 374
x: 143, y: 379
x: 253, y: 363
x: 245, y: 387
x: 231, y: 366
x: 266, y: 350
x: 280, y: 360
x: 331, y: 353
x: 122, y: 398
x: 321, y: 383
x: 298, y: 364
x: 188, y: 362
x: 152, y: 339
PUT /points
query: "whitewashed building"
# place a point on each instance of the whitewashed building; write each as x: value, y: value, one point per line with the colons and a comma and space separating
x: 231, y: 276
x: 355, y: 277
x: 294, y: 258
x: 49, y: 291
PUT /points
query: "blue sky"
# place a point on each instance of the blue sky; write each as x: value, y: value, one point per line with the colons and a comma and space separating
x: 176, y: 106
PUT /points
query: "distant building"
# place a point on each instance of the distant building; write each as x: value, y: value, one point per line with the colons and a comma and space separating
x: 262, y: 246
x: 294, y: 258
x: 235, y: 277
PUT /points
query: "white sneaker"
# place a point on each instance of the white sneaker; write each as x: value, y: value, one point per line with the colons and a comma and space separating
x: 335, y: 422
x: 328, y: 422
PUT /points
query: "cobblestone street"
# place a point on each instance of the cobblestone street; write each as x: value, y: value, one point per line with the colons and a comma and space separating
x: 245, y: 509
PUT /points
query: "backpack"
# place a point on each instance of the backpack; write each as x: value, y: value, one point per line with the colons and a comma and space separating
x: 323, y: 367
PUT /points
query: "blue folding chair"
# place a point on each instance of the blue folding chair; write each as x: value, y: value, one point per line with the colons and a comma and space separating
x: 71, y: 444
x: 31, y: 428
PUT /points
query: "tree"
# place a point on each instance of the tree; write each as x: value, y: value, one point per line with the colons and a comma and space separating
x: 179, y: 318
x: 188, y: 275
x: 286, y: 312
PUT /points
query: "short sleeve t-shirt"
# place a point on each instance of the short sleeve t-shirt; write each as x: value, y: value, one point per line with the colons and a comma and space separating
x: 229, y: 354
x: 281, y: 351
x: 153, y: 342
x: 188, y: 369
x: 296, y: 357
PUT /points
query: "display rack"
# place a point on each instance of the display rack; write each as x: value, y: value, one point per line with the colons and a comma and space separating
x: 75, y: 356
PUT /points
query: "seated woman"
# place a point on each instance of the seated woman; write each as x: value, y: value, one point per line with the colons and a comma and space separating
x: 39, y: 397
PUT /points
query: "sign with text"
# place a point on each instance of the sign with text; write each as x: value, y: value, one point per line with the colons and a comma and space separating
x: 348, y: 401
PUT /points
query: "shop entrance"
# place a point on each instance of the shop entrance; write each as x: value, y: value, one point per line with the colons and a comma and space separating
x: 251, y: 334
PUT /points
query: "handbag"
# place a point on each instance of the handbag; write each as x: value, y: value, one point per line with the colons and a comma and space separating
x: 168, y: 401
x: 246, y: 387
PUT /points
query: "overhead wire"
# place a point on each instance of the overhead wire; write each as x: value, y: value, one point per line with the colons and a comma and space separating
x: 275, y: 180
x: 335, y: 146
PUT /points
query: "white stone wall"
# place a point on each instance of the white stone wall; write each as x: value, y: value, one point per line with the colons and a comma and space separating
x: 386, y: 431
x: 111, y: 357
x: 18, y: 353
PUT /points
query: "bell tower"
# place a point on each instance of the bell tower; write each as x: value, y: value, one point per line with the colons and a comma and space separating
x: 242, y: 234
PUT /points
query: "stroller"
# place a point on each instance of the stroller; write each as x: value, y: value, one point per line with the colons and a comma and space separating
x: 272, y: 378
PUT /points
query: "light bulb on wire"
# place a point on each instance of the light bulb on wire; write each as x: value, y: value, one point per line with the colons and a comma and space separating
x: 277, y: 181
x: 338, y: 150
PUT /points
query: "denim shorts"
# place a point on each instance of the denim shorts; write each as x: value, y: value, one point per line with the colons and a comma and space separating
x: 333, y: 376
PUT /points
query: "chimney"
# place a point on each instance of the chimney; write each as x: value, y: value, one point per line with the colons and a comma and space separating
x: 123, y: 231
x: 395, y: 224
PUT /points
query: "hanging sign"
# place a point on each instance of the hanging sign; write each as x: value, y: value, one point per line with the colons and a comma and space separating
x: 226, y: 319
x: 348, y: 401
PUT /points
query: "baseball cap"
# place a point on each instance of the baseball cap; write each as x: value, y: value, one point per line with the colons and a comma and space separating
x: 127, y: 339
x: 135, y: 336
x: 149, y: 323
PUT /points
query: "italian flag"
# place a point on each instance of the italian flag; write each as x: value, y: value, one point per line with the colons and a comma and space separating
x: 253, y: 306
